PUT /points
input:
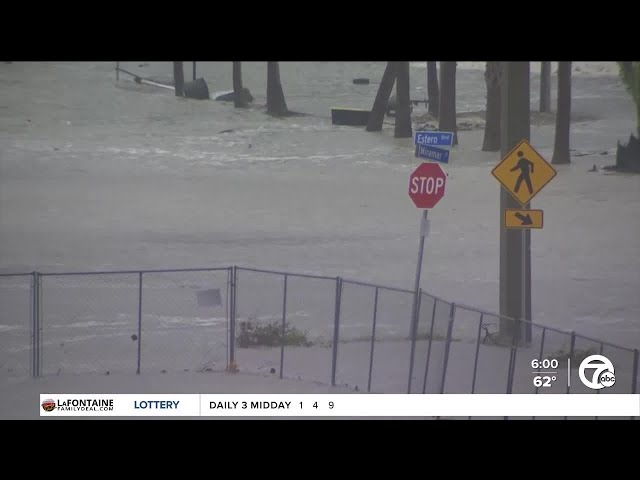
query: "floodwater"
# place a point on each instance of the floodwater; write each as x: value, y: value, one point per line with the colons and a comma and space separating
x: 97, y: 174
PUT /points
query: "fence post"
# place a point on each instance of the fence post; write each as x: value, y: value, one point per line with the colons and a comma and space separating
x: 540, y: 355
x: 511, y: 354
x: 475, y: 362
x: 426, y: 367
x: 117, y: 71
x: 634, y: 380
x: 38, y: 319
x: 232, y: 319
x: 447, y: 345
x: 414, y: 333
x: 139, y: 320
x: 336, y: 331
x: 227, y: 314
x: 373, y: 338
x: 34, y: 326
x: 284, y: 323
x: 512, y: 368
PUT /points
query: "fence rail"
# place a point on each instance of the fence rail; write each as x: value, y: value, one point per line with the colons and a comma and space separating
x: 329, y: 329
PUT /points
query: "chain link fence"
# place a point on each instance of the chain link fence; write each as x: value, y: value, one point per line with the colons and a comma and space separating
x: 16, y: 325
x: 185, y: 321
x: 325, y: 329
x: 284, y: 323
x: 87, y: 322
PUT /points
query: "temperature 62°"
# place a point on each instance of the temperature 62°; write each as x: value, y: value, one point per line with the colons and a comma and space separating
x: 543, y: 381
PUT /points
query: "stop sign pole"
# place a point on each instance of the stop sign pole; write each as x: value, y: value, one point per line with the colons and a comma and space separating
x: 426, y: 189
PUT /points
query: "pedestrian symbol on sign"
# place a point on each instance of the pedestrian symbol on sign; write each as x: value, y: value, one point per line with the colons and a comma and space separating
x: 526, y: 166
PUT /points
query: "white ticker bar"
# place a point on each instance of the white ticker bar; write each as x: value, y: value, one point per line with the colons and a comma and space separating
x: 340, y: 405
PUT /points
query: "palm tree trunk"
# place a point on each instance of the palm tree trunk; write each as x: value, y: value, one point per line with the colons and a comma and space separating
x: 432, y: 88
x: 276, y: 104
x: 545, y: 87
x: 178, y: 78
x: 376, y: 118
x: 403, y: 127
x: 447, y: 121
x: 563, y: 115
x: 491, y: 142
x: 239, y: 100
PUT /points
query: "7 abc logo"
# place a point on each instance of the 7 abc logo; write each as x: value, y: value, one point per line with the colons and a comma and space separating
x: 603, y: 375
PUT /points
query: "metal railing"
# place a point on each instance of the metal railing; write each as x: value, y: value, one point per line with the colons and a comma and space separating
x: 327, y: 329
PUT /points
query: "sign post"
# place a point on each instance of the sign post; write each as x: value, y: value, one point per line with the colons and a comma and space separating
x: 523, y: 172
x: 426, y: 189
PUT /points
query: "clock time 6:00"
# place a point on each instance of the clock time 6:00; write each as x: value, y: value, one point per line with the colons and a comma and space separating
x: 546, y: 363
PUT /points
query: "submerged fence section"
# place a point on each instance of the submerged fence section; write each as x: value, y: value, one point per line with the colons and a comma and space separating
x: 114, y: 322
x: 326, y: 329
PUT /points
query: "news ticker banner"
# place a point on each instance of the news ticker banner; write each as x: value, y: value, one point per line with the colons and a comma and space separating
x: 341, y: 405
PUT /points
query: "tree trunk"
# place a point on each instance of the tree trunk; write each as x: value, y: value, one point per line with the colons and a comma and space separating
x: 276, y: 104
x: 491, y: 141
x: 403, y: 127
x: 381, y: 102
x: 178, y: 78
x: 432, y: 88
x: 630, y: 73
x: 447, y: 119
x: 563, y: 115
x: 545, y: 87
x: 239, y: 100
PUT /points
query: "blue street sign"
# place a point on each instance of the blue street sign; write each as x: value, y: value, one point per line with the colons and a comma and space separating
x: 432, y: 153
x: 436, y: 139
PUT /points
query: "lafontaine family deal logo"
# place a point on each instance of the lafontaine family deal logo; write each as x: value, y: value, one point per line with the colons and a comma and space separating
x: 49, y: 405
x: 603, y: 372
x: 78, y: 405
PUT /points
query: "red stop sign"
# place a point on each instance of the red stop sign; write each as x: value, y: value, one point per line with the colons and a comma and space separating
x: 426, y: 185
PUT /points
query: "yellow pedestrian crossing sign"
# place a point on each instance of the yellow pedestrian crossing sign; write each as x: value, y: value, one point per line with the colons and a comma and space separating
x: 524, y: 172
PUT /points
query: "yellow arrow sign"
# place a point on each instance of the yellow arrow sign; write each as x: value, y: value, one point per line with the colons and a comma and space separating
x: 517, y: 218
x: 524, y: 172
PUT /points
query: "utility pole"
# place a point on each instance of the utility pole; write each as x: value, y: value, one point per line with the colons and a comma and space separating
x: 515, y: 245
